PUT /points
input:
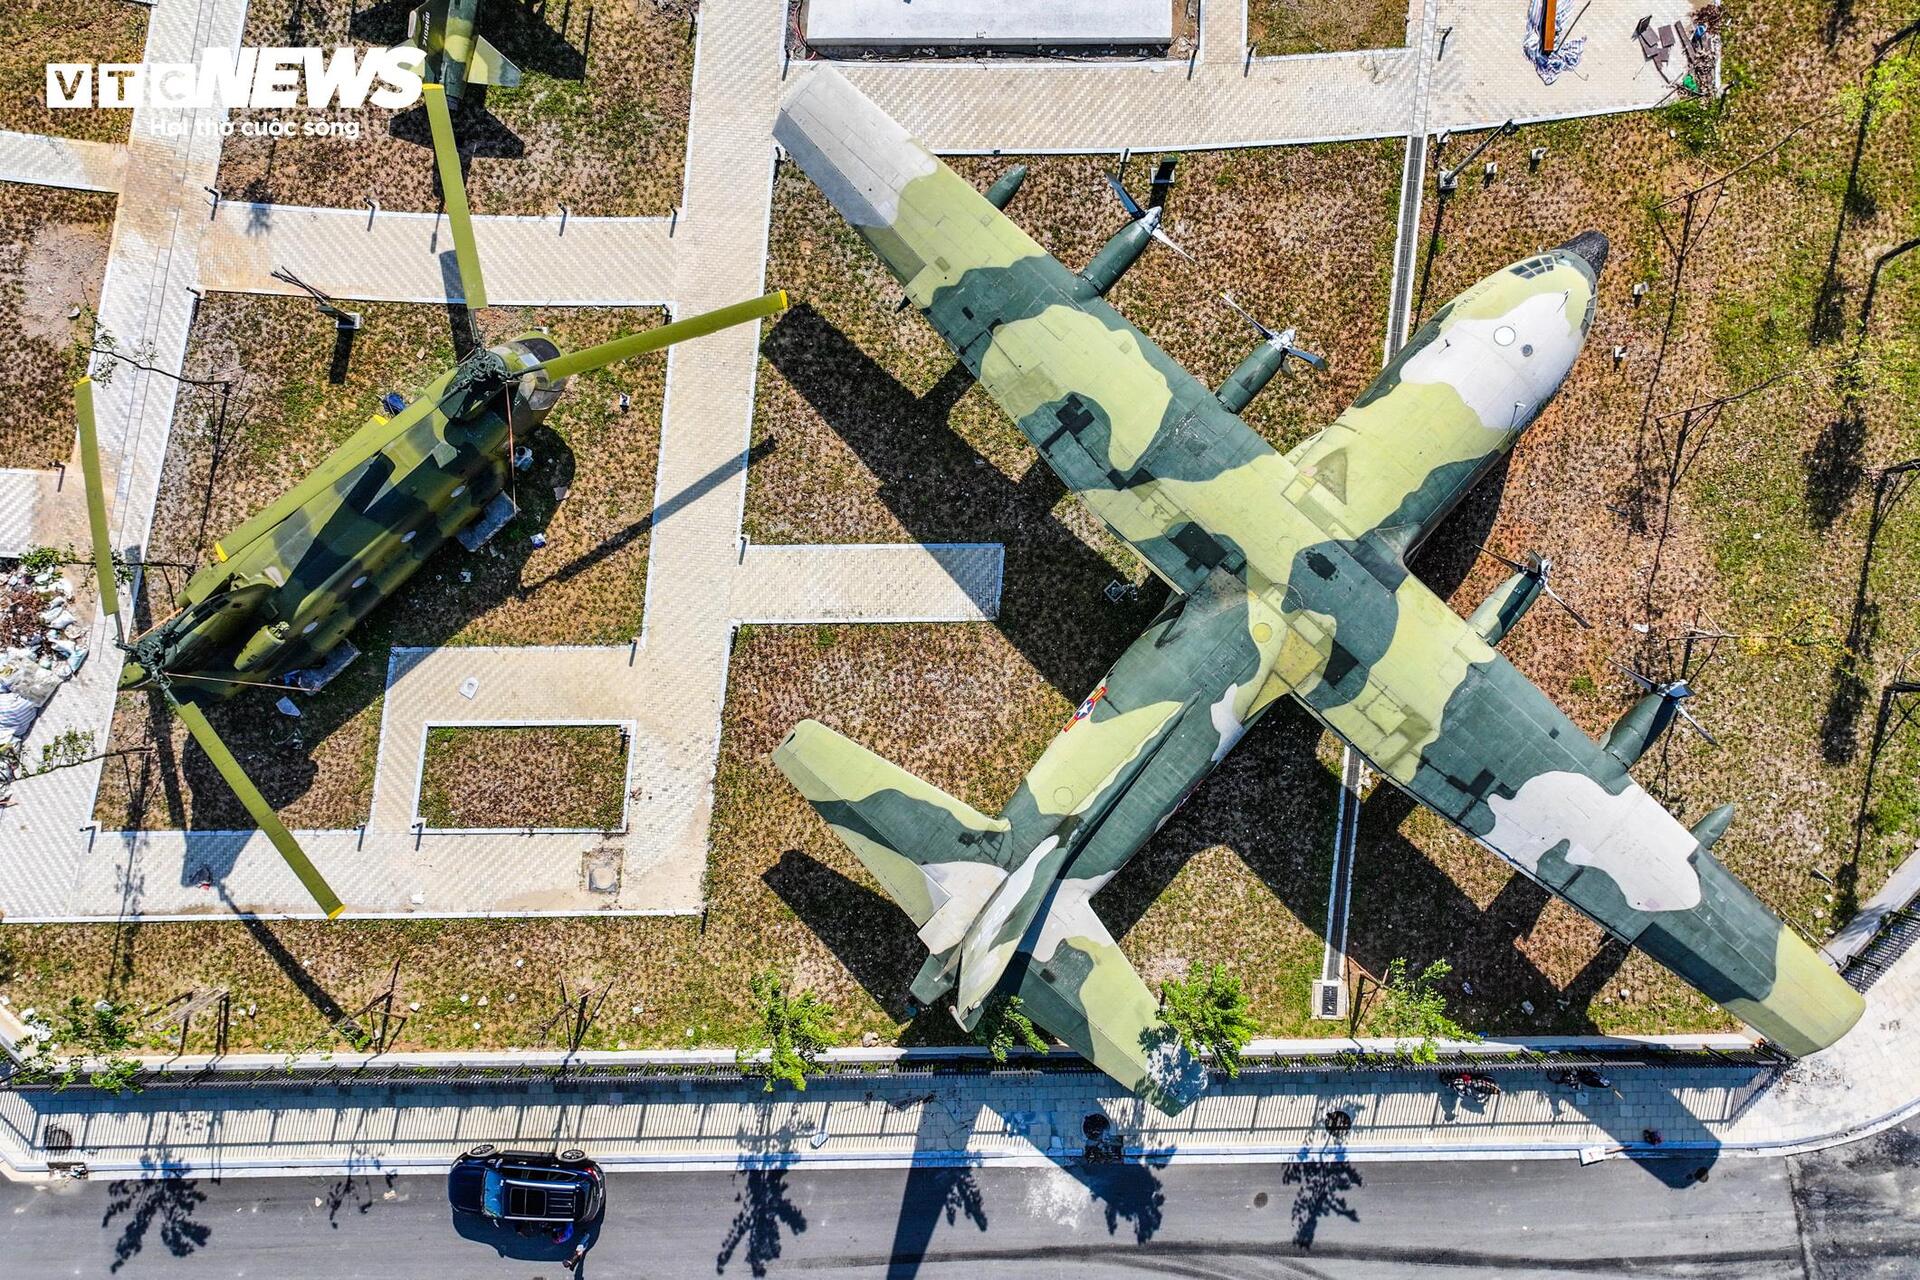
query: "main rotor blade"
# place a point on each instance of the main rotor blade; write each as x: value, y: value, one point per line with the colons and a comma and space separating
x: 636, y: 344
x: 446, y: 154
x: 97, y: 502
x: 256, y: 805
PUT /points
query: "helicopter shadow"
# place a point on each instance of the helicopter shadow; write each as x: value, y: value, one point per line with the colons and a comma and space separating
x: 530, y: 37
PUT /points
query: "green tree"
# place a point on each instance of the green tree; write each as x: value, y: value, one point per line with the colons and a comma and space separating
x: 1003, y: 1025
x: 791, y: 1028
x: 1413, y: 1011
x: 81, y: 1039
x: 1208, y: 1011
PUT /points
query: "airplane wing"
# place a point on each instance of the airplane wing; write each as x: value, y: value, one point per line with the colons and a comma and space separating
x: 1508, y: 767
x: 1129, y: 430
x: 1079, y: 985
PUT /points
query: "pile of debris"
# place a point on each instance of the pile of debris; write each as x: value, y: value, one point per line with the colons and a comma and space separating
x: 1697, y: 39
x: 42, y: 646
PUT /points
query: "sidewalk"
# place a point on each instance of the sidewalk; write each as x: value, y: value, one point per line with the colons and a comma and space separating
x: 906, y: 1116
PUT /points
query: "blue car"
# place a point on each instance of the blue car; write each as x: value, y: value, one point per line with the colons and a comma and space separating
x: 527, y: 1189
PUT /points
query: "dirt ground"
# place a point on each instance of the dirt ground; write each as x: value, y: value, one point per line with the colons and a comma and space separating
x: 1310, y: 26
x: 53, y: 255
x: 599, y: 121
x: 548, y: 777
x: 1769, y: 522
x: 43, y: 31
x: 586, y: 586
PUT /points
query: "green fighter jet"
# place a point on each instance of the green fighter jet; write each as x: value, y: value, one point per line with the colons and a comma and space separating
x: 287, y: 587
x: 1289, y: 577
x: 457, y: 54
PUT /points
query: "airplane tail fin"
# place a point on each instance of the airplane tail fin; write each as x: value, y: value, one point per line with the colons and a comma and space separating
x: 939, y: 858
x: 490, y: 66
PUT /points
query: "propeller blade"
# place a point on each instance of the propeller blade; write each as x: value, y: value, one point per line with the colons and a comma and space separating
x: 1514, y: 565
x: 1126, y: 201
x: 256, y: 805
x: 1162, y: 179
x: 446, y: 154
x: 1572, y: 612
x: 1636, y: 677
x: 1697, y: 726
x: 1249, y: 317
x: 1168, y: 241
x: 97, y: 503
x: 1307, y: 357
x: 635, y: 344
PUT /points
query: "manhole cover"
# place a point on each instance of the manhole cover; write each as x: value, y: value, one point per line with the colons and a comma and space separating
x: 58, y: 1139
x: 602, y: 867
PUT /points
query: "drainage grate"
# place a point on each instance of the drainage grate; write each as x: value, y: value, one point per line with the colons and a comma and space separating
x: 57, y: 1139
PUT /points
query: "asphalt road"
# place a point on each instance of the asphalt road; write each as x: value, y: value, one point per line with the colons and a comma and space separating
x: 1847, y: 1213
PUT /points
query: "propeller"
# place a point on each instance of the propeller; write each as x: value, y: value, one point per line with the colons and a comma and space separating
x: 151, y: 659
x: 1539, y: 568
x: 1675, y: 692
x: 1281, y: 342
x: 453, y: 187
x: 1156, y: 201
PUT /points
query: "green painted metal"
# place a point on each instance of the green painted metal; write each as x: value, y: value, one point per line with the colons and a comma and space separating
x: 453, y: 187
x: 257, y: 806
x: 637, y: 344
x: 96, y: 500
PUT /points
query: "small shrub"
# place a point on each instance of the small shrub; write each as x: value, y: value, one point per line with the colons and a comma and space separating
x: 791, y: 1027
x: 1414, y: 1012
x: 1003, y: 1025
x: 1208, y: 1011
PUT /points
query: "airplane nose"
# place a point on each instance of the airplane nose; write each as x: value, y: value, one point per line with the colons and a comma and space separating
x: 1590, y: 247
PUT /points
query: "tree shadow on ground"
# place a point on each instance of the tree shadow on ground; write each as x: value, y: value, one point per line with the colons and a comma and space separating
x: 766, y: 1206
x: 1323, y: 1188
x: 161, y: 1199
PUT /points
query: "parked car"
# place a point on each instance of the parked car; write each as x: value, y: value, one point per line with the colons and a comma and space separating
x: 527, y: 1189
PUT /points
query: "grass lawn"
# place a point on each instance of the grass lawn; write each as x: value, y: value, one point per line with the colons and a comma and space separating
x: 599, y: 121
x: 1310, y: 26
x: 1768, y: 526
x: 43, y: 31
x: 53, y: 255
x: 543, y: 777
x: 586, y: 586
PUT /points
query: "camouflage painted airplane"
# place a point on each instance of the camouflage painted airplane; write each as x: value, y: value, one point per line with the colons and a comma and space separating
x: 1289, y: 577
x: 457, y: 54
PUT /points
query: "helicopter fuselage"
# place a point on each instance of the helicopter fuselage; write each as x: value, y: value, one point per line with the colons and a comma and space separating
x: 288, y: 585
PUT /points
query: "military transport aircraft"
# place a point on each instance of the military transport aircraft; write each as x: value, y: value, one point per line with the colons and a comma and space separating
x: 290, y: 584
x: 1290, y: 577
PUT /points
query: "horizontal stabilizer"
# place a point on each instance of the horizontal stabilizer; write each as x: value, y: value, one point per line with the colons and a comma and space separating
x: 938, y: 858
x: 490, y: 66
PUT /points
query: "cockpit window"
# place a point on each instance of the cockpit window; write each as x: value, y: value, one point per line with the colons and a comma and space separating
x: 1532, y: 267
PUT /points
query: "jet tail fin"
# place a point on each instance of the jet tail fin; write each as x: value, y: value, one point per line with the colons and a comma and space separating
x: 936, y: 856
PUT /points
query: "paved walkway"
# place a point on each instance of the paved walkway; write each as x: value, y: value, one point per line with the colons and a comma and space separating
x: 168, y: 239
x: 1863, y: 1084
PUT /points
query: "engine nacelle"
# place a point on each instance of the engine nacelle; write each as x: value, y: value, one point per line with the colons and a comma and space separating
x: 1004, y: 188
x: 1710, y: 828
x: 1502, y: 610
x: 1251, y: 376
x: 1640, y: 728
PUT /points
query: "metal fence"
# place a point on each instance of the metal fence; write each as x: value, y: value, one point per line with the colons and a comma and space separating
x: 585, y: 1074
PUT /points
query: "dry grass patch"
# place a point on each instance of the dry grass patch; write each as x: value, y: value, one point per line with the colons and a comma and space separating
x: 536, y: 777
x: 1767, y: 533
x: 586, y: 586
x: 53, y: 255
x: 599, y: 121
x: 1312, y: 26
x: 43, y: 31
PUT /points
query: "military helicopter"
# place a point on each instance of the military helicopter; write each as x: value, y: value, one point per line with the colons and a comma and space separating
x: 288, y: 585
x: 457, y: 54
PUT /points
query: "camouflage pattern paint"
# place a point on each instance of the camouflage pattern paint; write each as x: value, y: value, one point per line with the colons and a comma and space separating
x: 1290, y: 577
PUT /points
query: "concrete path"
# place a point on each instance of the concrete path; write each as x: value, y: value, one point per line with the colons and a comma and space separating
x: 61, y: 162
x: 1861, y: 1085
x: 170, y: 239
